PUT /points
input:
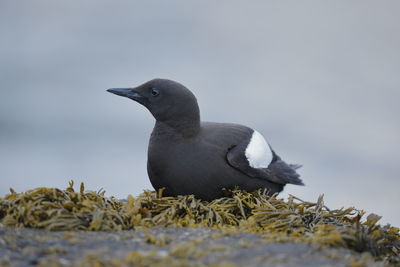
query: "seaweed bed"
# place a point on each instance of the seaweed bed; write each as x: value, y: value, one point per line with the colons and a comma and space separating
x: 269, y: 218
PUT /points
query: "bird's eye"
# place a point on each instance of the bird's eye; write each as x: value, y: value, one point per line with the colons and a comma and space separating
x: 154, y: 92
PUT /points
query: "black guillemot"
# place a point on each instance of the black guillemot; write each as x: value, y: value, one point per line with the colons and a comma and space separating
x: 188, y: 156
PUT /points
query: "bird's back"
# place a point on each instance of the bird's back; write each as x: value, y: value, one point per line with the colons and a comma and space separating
x: 223, y: 135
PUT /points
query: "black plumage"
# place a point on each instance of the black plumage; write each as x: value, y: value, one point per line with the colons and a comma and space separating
x: 187, y: 156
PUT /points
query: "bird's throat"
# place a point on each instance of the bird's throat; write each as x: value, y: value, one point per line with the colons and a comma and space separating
x: 185, y: 128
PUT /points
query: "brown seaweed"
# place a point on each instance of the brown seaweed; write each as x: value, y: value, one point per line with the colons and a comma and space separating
x: 277, y: 220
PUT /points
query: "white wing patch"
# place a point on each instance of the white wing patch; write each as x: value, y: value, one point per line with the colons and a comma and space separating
x: 258, y: 152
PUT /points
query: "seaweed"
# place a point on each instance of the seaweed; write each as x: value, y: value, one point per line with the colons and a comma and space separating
x: 273, y: 218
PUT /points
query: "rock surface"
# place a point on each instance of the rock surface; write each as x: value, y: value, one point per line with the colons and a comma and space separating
x: 164, y: 247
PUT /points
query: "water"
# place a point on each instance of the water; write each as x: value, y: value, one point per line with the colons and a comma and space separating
x: 319, y: 80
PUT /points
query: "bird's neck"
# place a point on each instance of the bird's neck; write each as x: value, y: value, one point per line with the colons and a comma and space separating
x: 186, y: 126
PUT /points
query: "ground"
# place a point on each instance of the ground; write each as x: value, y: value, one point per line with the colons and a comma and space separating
x: 164, y: 246
x: 54, y: 227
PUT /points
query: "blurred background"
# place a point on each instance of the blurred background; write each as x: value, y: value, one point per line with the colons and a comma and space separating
x: 320, y: 80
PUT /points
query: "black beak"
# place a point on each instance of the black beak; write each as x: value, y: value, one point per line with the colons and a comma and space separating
x: 127, y: 92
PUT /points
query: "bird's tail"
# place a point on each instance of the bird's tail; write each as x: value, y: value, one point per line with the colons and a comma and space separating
x: 286, y: 173
x: 295, y: 166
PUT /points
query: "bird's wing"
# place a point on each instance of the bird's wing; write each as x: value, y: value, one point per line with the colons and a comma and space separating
x: 256, y: 159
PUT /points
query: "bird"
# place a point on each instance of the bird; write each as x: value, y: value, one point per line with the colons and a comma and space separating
x: 187, y: 156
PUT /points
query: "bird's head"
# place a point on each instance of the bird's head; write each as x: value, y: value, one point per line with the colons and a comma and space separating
x: 165, y: 99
